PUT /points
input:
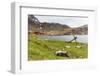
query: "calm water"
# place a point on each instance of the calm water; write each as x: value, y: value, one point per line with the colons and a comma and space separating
x: 80, y: 38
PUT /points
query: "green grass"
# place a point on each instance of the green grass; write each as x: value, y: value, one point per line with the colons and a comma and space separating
x: 39, y: 49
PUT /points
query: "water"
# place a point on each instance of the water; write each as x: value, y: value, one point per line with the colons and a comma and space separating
x: 80, y: 38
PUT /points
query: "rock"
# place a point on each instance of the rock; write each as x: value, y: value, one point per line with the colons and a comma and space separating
x: 78, y: 46
x: 67, y: 46
x: 62, y: 53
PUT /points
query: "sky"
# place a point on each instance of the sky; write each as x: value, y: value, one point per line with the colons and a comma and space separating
x: 70, y: 21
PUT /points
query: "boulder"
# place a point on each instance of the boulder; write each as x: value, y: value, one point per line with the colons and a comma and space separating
x: 67, y: 46
x: 62, y: 53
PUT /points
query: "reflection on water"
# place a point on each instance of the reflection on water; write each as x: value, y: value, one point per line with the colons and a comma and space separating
x: 80, y: 38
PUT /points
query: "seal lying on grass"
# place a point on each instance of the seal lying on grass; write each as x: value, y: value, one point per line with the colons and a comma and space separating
x: 62, y: 53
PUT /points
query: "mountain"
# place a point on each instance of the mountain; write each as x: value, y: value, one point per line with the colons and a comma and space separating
x: 46, y: 28
x: 82, y: 30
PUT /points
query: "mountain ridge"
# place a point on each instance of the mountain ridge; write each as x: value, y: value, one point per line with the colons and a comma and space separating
x: 46, y: 28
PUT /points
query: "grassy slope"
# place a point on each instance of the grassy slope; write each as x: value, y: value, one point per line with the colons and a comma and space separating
x: 45, y: 49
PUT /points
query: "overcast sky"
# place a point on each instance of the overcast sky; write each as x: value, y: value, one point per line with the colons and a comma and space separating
x: 71, y: 21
